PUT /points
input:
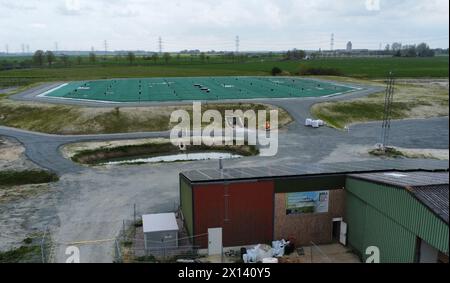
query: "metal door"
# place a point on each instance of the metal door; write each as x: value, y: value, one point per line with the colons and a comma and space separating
x: 215, y: 241
x: 343, y: 236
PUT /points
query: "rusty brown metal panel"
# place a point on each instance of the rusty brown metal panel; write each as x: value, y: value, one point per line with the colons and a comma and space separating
x: 243, y: 210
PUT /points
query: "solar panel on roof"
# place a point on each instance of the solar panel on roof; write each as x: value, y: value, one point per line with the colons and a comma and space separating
x: 312, y: 169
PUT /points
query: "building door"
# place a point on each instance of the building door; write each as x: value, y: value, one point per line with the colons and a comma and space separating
x: 340, y: 231
x: 336, y: 231
x: 215, y: 241
x: 343, y: 235
x: 427, y: 253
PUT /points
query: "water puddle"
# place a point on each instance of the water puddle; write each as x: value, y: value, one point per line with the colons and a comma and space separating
x: 177, y: 158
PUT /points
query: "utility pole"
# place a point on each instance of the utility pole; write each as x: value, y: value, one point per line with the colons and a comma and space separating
x: 23, y: 48
x: 28, y: 48
x: 7, y: 49
x: 387, y: 118
x: 160, y: 45
x: 56, y: 47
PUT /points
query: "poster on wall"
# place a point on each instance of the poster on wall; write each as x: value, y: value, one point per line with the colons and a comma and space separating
x: 307, y: 202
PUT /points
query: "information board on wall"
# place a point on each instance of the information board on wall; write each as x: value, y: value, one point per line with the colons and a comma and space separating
x: 307, y: 202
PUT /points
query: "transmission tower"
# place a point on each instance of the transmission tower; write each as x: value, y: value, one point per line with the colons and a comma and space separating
x: 332, y: 42
x: 23, y: 48
x: 237, y: 44
x: 27, y: 48
x: 160, y: 45
x: 387, y: 117
x: 7, y: 49
x: 106, y: 48
x: 56, y: 47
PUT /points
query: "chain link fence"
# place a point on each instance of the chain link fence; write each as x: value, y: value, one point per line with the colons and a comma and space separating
x: 129, y: 245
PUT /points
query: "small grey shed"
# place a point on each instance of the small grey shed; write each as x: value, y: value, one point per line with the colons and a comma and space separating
x: 160, y: 230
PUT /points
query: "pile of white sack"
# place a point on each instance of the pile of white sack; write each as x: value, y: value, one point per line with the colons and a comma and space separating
x: 265, y: 253
x: 314, y: 123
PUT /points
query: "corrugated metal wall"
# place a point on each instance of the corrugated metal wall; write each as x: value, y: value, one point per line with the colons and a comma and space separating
x: 243, y: 210
x: 187, y: 205
x: 390, y: 218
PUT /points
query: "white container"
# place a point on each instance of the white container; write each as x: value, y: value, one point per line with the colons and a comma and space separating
x: 270, y: 260
x: 308, y: 122
x: 321, y: 123
x: 315, y: 124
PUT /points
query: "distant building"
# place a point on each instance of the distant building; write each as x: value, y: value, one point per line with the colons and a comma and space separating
x: 349, y: 46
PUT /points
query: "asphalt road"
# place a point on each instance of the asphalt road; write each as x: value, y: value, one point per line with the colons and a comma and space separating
x: 91, y: 203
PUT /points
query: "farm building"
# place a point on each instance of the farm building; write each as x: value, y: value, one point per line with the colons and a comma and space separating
x: 307, y: 203
x: 405, y: 215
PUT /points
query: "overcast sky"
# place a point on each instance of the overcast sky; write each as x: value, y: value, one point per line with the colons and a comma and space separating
x: 214, y: 24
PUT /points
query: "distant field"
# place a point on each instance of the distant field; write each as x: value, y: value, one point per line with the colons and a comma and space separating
x: 351, y: 67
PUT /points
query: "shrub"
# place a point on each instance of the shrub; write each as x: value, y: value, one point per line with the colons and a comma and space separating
x: 320, y: 71
x: 276, y: 71
x: 15, y: 178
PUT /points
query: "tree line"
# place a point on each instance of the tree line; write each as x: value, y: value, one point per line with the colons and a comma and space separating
x: 412, y: 50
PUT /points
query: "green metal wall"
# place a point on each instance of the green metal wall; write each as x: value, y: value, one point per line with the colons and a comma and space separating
x: 391, y: 219
x: 186, y: 203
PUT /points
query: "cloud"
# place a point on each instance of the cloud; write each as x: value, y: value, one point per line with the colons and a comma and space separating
x: 17, y: 5
x: 213, y: 24
x: 38, y: 25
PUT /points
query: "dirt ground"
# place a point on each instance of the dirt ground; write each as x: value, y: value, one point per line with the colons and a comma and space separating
x: 12, y: 156
x: 352, y: 153
x: 333, y: 253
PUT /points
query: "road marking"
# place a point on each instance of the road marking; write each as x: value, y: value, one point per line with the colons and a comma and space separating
x: 52, y: 90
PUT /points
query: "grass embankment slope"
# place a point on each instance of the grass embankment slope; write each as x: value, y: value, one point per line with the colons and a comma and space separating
x: 59, y: 119
x: 411, y: 100
x: 350, y: 67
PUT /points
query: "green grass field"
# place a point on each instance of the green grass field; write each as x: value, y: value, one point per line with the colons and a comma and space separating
x: 352, y: 67
x: 200, y: 88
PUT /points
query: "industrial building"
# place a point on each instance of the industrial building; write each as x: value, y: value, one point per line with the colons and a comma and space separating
x: 404, y: 214
x: 322, y: 204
